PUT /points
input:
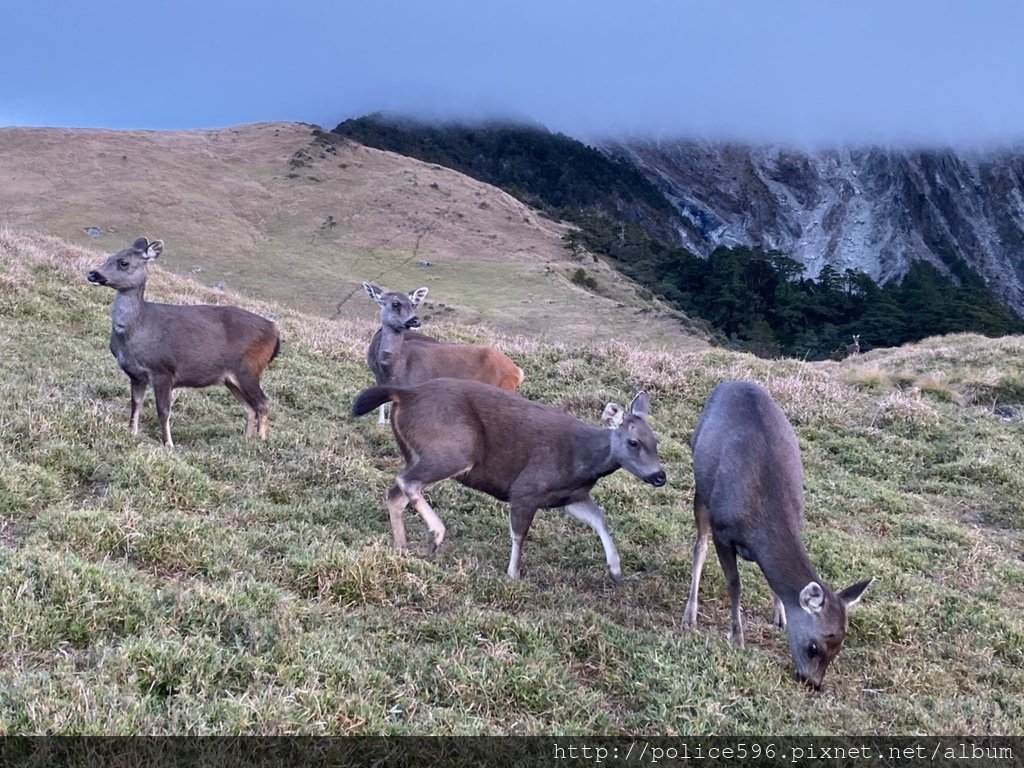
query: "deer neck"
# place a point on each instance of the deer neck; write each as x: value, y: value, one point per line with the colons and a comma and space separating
x: 593, y: 456
x: 787, y: 567
x: 391, y: 340
x: 128, y: 309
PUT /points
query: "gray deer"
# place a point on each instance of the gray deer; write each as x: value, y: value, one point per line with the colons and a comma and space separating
x: 397, y: 355
x: 748, y: 495
x: 533, y: 456
x: 171, y: 346
x: 853, y: 350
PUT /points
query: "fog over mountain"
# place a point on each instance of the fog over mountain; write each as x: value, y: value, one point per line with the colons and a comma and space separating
x: 798, y: 72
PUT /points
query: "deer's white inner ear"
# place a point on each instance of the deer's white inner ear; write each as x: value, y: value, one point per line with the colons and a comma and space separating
x: 612, y: 415
x: 372, y: 291
x: 812, y: 597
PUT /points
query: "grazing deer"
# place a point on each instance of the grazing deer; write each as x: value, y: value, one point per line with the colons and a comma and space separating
x: 399, y: 356
x: 748, y: 495
x: 533, y: 456
x: 853, y: 349
x: 174, y: 346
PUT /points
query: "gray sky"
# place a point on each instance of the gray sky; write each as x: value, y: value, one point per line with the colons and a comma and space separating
x: 795, y: 71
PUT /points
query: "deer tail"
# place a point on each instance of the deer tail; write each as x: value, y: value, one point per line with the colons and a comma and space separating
x: 372, y: 398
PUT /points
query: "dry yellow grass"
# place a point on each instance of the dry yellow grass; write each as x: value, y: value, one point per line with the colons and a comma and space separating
x: 272, y: 212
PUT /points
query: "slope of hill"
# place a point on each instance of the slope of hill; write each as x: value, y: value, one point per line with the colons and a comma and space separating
x: 740, y: 210
x: 550, y: 171
x: 248, y: 587
x: 286, y: 213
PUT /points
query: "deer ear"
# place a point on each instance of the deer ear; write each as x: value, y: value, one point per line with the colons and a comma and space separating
x: 851, y: 595
x: 612, y: 415
x: 372, y: 291
x: 140, y: 244
x: 154, y: 250
x: 812, y: 597
x: 640, y: 404
x: 418, y: 295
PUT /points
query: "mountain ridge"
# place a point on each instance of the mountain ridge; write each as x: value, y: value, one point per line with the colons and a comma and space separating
x: 872, y: 209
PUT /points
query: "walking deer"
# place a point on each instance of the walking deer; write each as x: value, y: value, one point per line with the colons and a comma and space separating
x: 399, y: 356
x: 530, y: 455
x: 172, y: 346
x: 853, y: 349
x: 748, y: 495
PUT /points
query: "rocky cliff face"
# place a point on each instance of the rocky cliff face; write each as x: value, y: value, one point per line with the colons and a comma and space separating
x: 875, y: 210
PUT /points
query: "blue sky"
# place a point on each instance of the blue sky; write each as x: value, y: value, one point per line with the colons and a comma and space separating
x: 803, y: 72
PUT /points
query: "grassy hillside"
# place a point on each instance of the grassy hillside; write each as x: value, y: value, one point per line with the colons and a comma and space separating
x: 549, y: 171
x: 756, y: 301
x: 235, y: 586
x: 287, y: 213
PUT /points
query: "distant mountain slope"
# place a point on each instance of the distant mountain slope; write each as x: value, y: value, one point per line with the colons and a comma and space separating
x: 550, y: 171
x: 873, y: 210
x: 755, y: 297
x: 289, y: 213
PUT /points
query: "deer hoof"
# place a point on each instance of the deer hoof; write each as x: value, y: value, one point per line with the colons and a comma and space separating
x: 433, y: 545
x: 616, y: 577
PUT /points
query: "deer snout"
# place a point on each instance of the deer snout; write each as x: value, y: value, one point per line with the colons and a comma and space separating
x: 810, y: 682
x: 95, y: 277
x: 658, y: 479
x: 412, y: 322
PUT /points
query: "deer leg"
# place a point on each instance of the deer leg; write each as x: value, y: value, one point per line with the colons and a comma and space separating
x: 426, y: 471
x: 397, y: 502
x: 382, y: 414
x: 263, y: 419
x: 162, y: 390
x: 727, y: 557
x: 779, y: 612
x: 588, y: 512
x: 256, y: 404
x: 139, y: 385
x: 700, y: 553
x: 250, y: 412
x: 413, y: 490
x: 520, y: 518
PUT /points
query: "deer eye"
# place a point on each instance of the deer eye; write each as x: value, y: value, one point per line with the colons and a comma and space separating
x: 396, y: 306
x: 122, y: 263
x: 633, y: 442
x: 812, y: 651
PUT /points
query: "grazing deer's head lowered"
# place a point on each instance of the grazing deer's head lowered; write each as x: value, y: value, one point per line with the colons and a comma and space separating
x: 748, y: 495
x: 399, y: 356
x: 533, y: 456
x: 172, y: 346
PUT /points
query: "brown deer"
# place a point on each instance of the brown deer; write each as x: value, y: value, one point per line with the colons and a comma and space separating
x: 533, y: 456
x: 853, y: 349
x: 399, y: 356
x: 172, y: 346
x: 748, y: 494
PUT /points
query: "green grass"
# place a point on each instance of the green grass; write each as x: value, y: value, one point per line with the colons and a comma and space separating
x: 238, y: 587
